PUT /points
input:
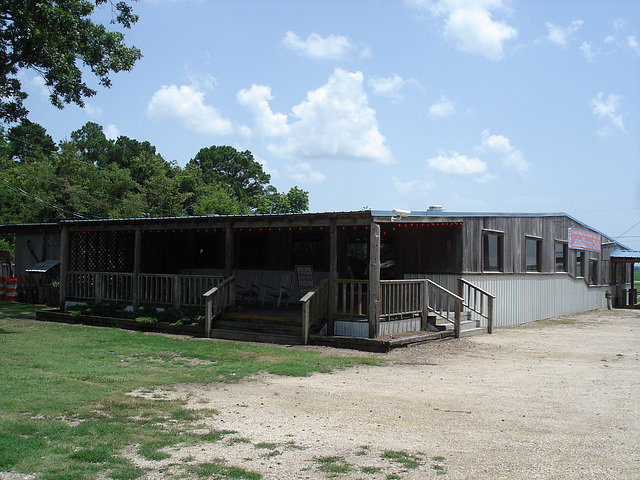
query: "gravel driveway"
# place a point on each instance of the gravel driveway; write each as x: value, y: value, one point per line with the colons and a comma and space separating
x: 557, y: 399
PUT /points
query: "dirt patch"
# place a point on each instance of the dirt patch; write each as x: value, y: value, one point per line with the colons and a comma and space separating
x: 557, y: 399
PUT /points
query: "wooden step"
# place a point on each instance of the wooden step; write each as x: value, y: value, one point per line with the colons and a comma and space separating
x: 258, y: 328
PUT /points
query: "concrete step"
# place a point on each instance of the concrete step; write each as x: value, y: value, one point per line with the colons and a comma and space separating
x: 473, y: 331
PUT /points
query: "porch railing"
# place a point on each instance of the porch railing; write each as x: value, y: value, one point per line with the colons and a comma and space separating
x: 351, y: 298
x: 445, y: 304
x: 217, y: 300
x: 477, y: 300
x: 315, y: 307
x: 155, y: 289
x: 403, y: 299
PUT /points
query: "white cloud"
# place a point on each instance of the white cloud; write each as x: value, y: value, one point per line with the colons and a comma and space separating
x: 443, y: 108
x: 414, y: 187
x: 333, y: 47
x: 257, y: 99
x: 304, y: 173
x: 473, y: 31
x: 390, y: 86
x: 607, y: 111
x: 186, y: 105
x: 469, y: 25
x: 587, y: 51
x: 561, y: 35
x: 111, y: 132
x: 460, y: 165
x: 633, y: 44
x: 509, y: 156
x: 335, y: 121
x: 92, y: 111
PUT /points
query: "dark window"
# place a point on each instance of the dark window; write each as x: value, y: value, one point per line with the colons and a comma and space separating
x: 492, y: 252
x: 533, y: 249
x: 579, y: 264
x: 593, y: 272
x: 561, y: 257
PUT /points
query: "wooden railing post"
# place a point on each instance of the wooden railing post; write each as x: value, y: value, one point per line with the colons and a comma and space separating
x: 97, y: 278
x: 424, y: 321
x: 490, y: 315
x: 456, y: 317
x: 176, y: 292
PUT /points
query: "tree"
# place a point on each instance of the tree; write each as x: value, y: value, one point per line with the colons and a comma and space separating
x: 28, y: 141
x: 57, y: 38
x: 239, y: 170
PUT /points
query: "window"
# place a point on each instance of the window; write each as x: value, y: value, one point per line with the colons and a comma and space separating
x: 561, y: 257
x: 532, y: 254
x: 579, y: 264
x: 593, y: 272
x: 492, y: 252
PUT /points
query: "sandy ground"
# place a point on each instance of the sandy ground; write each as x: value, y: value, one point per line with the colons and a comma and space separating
x: 558, y: 399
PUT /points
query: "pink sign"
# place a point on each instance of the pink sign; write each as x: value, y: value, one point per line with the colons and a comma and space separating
x: 584, y: 240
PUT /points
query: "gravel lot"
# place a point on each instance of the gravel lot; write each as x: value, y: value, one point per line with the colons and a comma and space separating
x: 557, y: 399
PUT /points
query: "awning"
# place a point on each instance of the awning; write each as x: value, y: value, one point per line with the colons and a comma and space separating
x: 626, y: 256
x: 43, y: 267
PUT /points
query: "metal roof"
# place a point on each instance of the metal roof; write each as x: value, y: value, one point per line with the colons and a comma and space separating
x: 630, y: 255
x: 43, y: 267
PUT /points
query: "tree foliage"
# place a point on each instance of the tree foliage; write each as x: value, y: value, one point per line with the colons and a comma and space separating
x: 58, y: 39
x: 91, y: 176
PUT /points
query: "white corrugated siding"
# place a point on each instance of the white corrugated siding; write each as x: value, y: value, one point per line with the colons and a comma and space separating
x: 522, y: 298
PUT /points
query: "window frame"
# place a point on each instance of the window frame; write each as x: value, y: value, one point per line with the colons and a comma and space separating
x: 487, y: 235
x: 537, y: 242
x: 565, y: 256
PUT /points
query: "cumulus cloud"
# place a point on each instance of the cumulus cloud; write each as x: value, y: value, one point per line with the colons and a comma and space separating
x: 316, y: 47
x: 186, y: 105
x: 562, y: 35
x: 390, y: 86
x: 587, y: 50
x: 335, y: 121
x: 442, y: 108
x: 606, y: 110
x: 304, y: 173
x: 111, y: 132
x: 257, y: 100
x: 459, y: 165
x: 509, y: 156
x: 413, y: 187
x: 469, y: 25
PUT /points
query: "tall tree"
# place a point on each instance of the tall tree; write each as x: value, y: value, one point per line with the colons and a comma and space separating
x: 29, y: 141
x: 239, y: 170
x: 58, y: 39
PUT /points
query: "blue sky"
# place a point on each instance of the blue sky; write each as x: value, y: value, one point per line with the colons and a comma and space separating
x: 475, y: 105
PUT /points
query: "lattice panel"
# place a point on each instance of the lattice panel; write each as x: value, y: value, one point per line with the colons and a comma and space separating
x: 101, y: 251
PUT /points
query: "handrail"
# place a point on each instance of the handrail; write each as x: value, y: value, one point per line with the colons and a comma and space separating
x: 315, y: 306
x: 351, y: 298
x: 442, y: 302
x: 402, y: 299
x: 477, y: 300
x: 217, y: 300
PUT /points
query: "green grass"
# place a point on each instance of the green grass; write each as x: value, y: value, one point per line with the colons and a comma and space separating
x: 64, y: 408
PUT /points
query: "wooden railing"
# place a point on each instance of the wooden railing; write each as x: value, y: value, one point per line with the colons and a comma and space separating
x: 351, y: 298
x: 403, y: 299
x: 155, y: 289
x: 217, y: 300
x: 315, y: 307
x: 477, y: 300
x: 445, y: 304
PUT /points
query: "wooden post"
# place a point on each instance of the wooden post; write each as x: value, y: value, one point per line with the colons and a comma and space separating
x: 98, y: 285
x: 64, y: 267
x: 490, y: 315
x: 176, y: 292
x: 424, y: 324
x: 137, y: 266
x: 333, y: 276
x: 374, y: 280
x: 228, y: 250
x: 456, y: 317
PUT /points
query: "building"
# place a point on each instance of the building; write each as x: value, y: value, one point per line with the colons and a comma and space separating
x: 372, y: 272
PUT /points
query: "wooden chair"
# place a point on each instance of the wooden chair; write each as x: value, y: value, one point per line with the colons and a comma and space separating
x: 249, y: 291
x: 281, y: 293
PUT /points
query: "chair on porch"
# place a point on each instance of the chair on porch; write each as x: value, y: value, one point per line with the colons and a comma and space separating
x: 281, y: 293
x: 249, y: 291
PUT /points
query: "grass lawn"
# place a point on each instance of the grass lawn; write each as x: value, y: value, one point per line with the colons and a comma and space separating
x: 64, y: 408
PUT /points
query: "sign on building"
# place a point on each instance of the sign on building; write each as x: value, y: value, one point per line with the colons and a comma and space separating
x: 584, y: 240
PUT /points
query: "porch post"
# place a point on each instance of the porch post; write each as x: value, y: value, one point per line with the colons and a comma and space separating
x: 374, y: 280
x: 137, y: 266
x: 64, y: 268
x: 228, y: 250
x: 333, y: 275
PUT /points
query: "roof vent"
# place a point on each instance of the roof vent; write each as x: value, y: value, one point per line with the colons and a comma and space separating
x: 435, y: 208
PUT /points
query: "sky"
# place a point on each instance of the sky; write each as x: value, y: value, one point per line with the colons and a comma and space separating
x: 502, y: 106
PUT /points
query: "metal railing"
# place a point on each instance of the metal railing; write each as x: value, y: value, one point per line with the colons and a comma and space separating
x: 477, y: 300
x: 315, y: 307
x: 218, y: 300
